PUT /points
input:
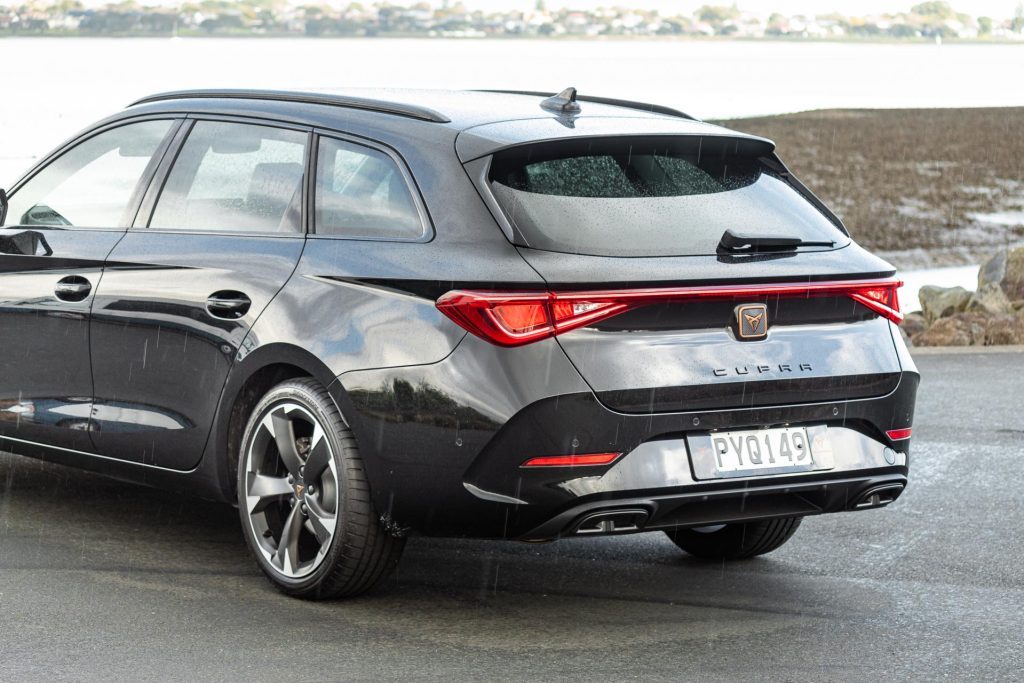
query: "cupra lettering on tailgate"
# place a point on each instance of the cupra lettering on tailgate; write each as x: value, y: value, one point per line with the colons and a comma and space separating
x: 776, y: 369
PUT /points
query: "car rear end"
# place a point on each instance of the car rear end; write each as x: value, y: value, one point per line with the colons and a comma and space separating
x: 682, y: 378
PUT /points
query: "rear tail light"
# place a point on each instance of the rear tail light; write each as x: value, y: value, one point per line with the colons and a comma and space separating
x: 572, y: 460
x: 517, y: 318
x: 883, y: 299
x: 513, y: 319
x: 899, y: 434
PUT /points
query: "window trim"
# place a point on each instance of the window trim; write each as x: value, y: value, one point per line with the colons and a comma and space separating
x: 145, y: 181
x: 156, y: 188
x: 479, y: 171
x: 428, y: 232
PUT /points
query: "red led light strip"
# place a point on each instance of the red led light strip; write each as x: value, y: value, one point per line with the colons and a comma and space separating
x: 517, y: 318
x: 899, y: 434
x: 572, y: 460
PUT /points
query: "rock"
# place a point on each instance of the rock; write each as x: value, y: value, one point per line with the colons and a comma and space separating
x: 942, y: 302
x: 1005, y: 269
x: 945, y: 332
x: 989, y: 299
x: 1004, y: 329
x: 962, y: 329
x: 975, y: 323
x: 994, y: 270
x: 913, y: 323
x: 973, y: 328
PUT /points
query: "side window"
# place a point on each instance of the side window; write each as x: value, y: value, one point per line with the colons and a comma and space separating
x: 92, y: 184
x: 235, y: 177
x: 361, y: 192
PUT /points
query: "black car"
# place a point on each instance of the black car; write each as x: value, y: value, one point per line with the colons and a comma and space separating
x: 499, y: 315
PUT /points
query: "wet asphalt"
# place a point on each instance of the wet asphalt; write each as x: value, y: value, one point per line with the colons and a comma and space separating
x: 100, y: 580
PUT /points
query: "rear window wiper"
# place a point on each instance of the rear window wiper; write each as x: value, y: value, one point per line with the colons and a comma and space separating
x: 739, y: 244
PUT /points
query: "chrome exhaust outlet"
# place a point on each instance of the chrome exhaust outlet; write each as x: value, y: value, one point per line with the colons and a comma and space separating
x: 879, y: 496
x: 611, y: 522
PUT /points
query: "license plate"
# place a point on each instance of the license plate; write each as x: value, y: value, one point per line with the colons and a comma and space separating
x: 751, y: 453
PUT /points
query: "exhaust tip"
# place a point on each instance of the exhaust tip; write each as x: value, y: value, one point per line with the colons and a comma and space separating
x: 878, y: 497
x: 612, y: 522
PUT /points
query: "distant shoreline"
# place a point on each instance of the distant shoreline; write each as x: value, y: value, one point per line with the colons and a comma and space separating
x: 853, y: 40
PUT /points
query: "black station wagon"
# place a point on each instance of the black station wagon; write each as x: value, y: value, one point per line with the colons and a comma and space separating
x: 499, y: 315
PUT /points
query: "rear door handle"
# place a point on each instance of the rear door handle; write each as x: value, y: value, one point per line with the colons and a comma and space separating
x: 228, y: 304
x: 72, y: 288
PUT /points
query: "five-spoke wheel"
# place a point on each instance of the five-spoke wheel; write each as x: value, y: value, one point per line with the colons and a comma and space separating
x: 291, y: 490
x: 301, y: 486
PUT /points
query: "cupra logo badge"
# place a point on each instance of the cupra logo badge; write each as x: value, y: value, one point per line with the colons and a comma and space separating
x: 752, y: 321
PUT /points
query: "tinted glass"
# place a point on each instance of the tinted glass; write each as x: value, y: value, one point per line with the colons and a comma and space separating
x: 235, y: 177
x: 361, y: 192
x: 648, y: 196
x: 92, y: 184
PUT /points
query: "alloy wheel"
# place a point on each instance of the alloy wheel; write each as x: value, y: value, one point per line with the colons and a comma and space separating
x: 291, y: 490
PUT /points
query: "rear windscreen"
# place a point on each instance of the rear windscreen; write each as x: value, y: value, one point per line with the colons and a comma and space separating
x: 661, y: 196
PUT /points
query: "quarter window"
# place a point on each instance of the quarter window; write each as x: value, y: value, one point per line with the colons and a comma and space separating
x: 361, y: 192
x: 235, y: 177
x: 93, y: 184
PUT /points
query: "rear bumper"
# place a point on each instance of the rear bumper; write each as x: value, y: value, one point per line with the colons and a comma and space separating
x: 443, y: 446
x: 654, y: 486
x: 738, y: 503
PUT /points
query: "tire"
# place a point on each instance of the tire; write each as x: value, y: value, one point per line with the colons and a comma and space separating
x: 735, y: 541
x: 306, y: 509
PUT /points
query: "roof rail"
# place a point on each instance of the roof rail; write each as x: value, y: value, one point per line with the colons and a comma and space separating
x: 628, y: 104
x: 398, y: 108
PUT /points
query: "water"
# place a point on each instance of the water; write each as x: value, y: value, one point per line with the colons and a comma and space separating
x: 54, y: 87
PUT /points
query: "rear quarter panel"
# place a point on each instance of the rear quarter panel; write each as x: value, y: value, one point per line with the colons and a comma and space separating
x: 355, y: 308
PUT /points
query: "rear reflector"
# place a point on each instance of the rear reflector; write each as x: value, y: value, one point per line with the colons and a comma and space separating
x: 898, y: 434
x: 572, y: 460
x: 517, y: 318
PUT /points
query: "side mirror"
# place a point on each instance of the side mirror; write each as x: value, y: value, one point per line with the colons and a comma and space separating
x: 26, y: 243
x: 3, y: 206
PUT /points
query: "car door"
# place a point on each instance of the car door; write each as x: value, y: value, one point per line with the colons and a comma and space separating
x: 61, y: 223
x: 216, y: 239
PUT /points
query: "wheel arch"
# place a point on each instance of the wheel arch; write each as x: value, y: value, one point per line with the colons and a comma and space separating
x: 249, y: 380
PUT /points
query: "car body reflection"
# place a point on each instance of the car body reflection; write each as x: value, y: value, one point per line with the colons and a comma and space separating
x: 80, y: 413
